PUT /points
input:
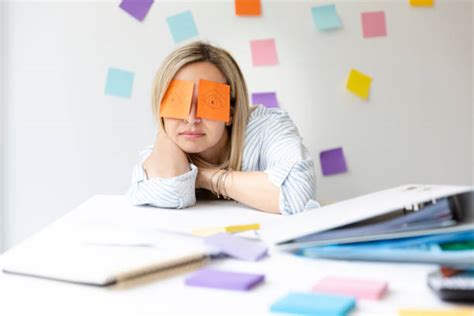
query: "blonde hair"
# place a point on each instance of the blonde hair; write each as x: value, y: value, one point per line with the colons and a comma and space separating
x: 240, y: 109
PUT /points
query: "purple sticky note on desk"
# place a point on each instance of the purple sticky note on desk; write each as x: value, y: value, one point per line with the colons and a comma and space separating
x: 136, y: 8
x: 268, y: 99
x: 333, y: 161
x: 224, y: 279
x: 237, y: 247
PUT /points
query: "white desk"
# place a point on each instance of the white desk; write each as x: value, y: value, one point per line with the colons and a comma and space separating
x: 21, y: 295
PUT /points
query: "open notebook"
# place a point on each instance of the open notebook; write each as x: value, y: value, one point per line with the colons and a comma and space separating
x: 95, y: 263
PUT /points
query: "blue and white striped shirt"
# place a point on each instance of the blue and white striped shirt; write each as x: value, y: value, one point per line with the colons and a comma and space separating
x: 272, y: 145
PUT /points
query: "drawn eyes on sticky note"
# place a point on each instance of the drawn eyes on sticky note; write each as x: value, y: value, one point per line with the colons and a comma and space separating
x: 177, y: 99
x: 213, y: 100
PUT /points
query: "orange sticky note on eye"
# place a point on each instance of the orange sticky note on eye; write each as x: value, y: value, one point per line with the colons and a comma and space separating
x: 213, y: 101
x: 247, y: 7
x: 177, y: 100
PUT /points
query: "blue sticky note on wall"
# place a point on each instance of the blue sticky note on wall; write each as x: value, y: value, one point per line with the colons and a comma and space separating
x: 182, y: 26
x: 119, y: 83
x: 313, y: 304
x: 325, y: 17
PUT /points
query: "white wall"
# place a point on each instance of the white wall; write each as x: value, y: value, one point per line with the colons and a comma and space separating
x: 68, y: 141
x: 2, y: 131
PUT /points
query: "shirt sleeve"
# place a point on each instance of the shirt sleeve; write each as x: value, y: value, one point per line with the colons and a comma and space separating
x: 288, y: 165
x: 177, y: 192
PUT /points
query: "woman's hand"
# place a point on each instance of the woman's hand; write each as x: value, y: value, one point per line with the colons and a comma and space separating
x: 167, y: 160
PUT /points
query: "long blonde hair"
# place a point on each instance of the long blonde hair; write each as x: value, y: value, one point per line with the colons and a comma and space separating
x: 240, y: 110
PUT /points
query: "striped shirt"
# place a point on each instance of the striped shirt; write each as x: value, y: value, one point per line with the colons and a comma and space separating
x: 272, y: 145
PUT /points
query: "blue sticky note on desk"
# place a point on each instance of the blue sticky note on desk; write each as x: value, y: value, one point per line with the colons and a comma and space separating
x: 182, y: 26
x: 325, y: 17
x: 314, y: 304
x: 119, y: 83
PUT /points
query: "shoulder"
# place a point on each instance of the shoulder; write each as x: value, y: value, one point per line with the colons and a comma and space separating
x: 262, y: 117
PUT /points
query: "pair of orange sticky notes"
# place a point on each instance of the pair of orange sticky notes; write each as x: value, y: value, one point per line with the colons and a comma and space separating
x: 247, y: 7
x: 213, y: 100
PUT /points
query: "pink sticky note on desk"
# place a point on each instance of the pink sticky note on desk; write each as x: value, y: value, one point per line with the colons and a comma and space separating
x: 373, y: 24
x: 359, y: 288
x: 264, y: 52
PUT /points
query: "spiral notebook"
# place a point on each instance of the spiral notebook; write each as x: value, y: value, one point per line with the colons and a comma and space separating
x: 95, y: 263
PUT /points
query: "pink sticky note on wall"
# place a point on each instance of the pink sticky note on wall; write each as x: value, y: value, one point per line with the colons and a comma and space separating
x: 359, y: 288
x: 373, y: 24
x: 264, y: 52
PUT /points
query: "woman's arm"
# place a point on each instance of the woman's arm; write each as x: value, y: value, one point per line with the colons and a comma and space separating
x: 163, y: 177
x: 166, y: 160
x: 251, y: 188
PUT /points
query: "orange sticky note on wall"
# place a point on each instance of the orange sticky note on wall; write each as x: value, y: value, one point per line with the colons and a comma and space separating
x: 177, y: 100
x: 213, y: 101
x: 422, y: 3
x: 247, y: 7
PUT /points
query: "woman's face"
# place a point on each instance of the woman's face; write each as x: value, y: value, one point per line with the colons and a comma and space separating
x: 196, y: 135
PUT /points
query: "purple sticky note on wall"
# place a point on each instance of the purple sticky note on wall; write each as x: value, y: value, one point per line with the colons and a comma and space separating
x: 333, y: 161
x: 268, y: 99
x: 136, y: 8
x: 237, y: 247
x: 224, y: 279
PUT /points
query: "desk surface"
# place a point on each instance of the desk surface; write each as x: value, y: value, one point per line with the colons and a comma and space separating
x: 20, y: 295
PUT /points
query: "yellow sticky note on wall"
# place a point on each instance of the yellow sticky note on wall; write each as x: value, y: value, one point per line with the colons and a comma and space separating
x: 422, y: 3
x: 359, y: 84
x: 442, y: 312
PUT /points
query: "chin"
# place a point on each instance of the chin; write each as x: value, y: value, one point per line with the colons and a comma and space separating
x: 192, y: 148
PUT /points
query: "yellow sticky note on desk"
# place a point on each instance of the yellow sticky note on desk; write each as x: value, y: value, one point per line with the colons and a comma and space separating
x: 422, y: 3
x: 359, y: 84
x: 443, y: 312
x: 241, y: 228
x: 208, y: 231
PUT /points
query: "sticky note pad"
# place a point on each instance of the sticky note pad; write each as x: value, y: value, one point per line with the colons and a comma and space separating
x: 208, y: 231
x: 264, y: 52
x: 213, y: 101
x: 267, y: 99
x: 359, y: 288
x: 373, y: 24
x: 313, y: 304
x: 237, y: 247
x: 136, y: 8
x: 247, y: 7
x: 333, y: 161
x: 182, y: 26
x: 440, y: 312
x: 176, y: 102
x: 325, y: 17
x: 241, y: 228
x: 359, y: 84
x: 225, y: 279
x: 119, y: 83
x: 422, y: 3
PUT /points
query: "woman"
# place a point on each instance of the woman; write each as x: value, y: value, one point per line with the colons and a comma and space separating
x: 209, y: 138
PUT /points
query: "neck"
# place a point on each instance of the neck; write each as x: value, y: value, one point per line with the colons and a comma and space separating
x: 216, y: 154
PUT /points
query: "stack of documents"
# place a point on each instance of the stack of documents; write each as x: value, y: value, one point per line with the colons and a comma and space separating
x: 441, y: 249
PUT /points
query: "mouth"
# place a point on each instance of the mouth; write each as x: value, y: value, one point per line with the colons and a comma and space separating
x: 192, y: 135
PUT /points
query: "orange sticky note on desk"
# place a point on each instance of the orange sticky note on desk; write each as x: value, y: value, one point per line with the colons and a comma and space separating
x: 422, y: 3
x: 359, y: 84
x: 213, y: 101
x: 441, y: 312
x: 177, y: 100
x: 247, y: 7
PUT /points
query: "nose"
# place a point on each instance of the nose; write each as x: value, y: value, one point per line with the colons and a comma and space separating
x: 192, y: 119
